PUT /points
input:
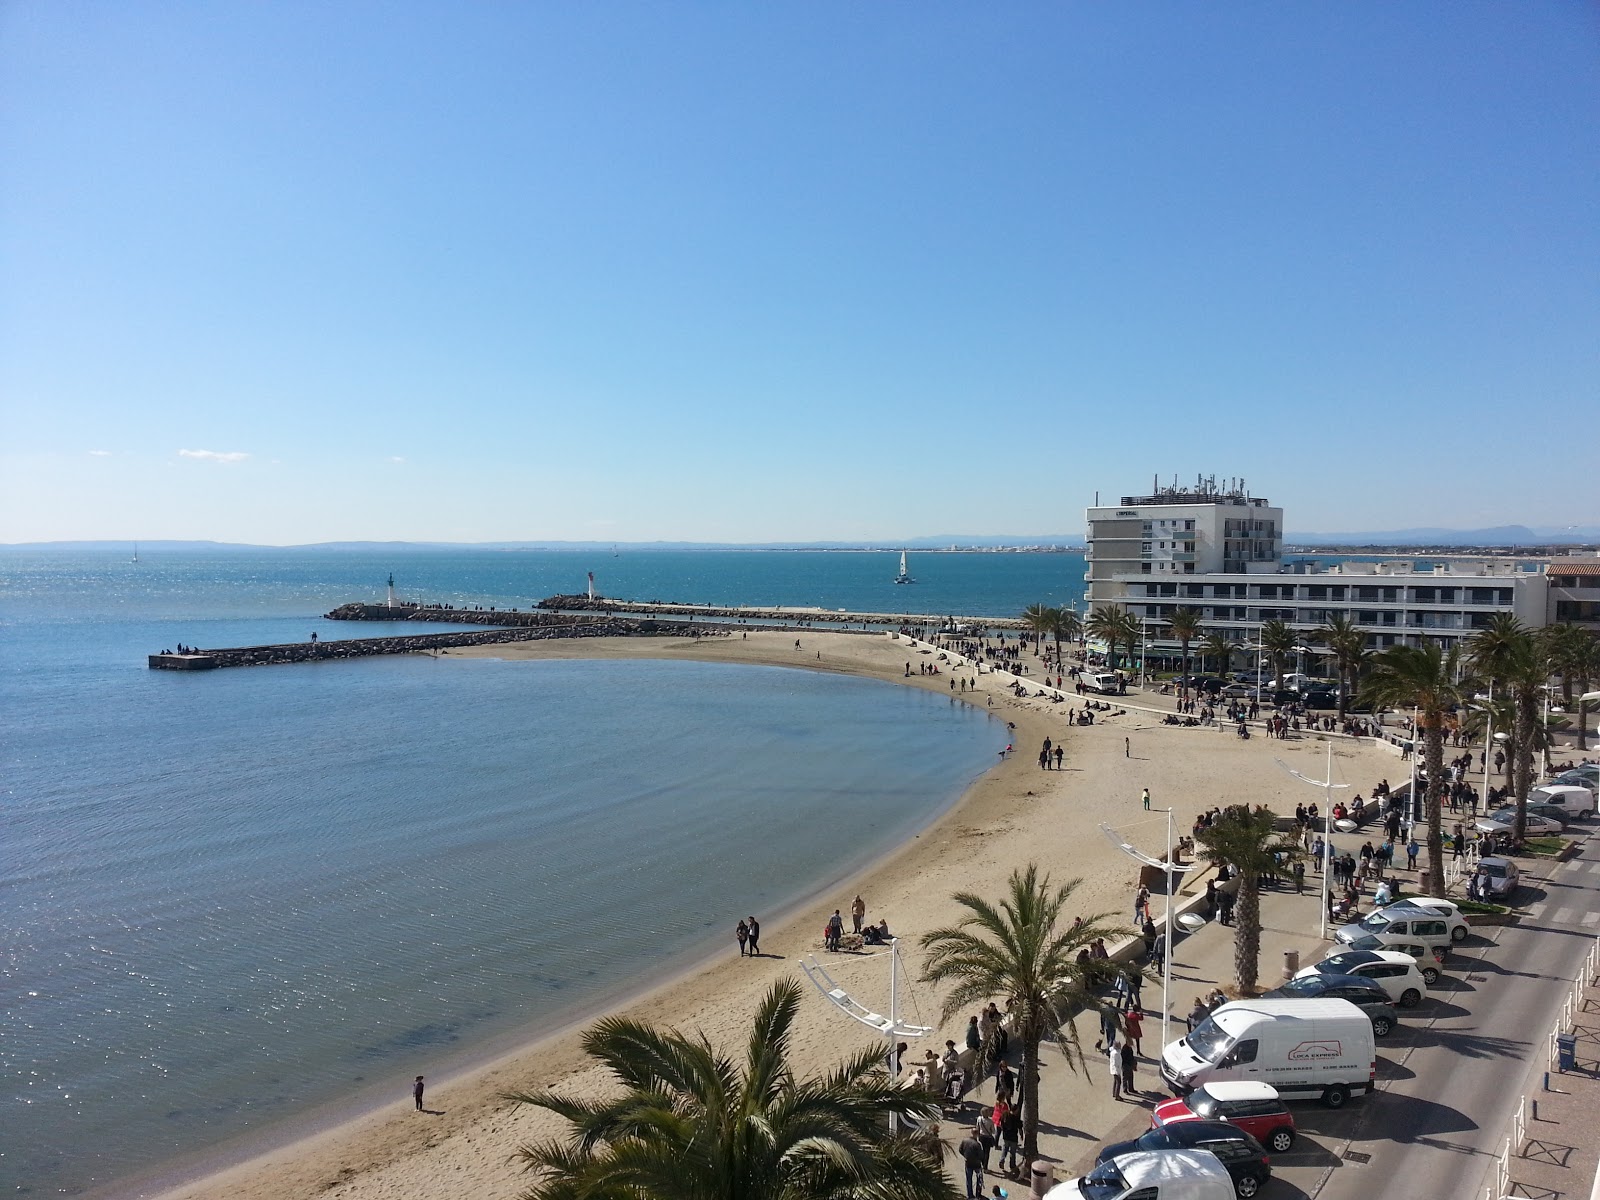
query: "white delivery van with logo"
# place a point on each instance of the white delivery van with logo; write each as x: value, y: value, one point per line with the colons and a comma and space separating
x: 1307, y: 1049
x: 1107, y: 683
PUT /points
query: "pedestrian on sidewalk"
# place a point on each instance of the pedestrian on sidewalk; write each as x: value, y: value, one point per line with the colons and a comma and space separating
x: 1127, y: 1068
x: 1134, y: 1020
x: 1146, y: 799
x: 1011, y: 1142
x: 971, y: 1151
x: 1141, y: 905
x: 1411, y: 853
x: 1300, y: 878
x: 1114, y: 1057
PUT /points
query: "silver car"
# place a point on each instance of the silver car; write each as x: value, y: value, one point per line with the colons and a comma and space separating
x: 1497, y: 877
x: 1503, y: 820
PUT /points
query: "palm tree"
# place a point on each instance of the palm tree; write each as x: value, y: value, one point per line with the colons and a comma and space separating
x: 1215, y: 645
x: 1114, y: 625
x: 1038, y: 618
x: 1065, y: 625
x: 1348, y: 647
x: 1278, y: 640
x: 1575, y: 655
x: 1185, y: 625
x: 686, y: 1122
x: 1248, y: 841
x: 1483, y: 716
x: 1015, y: 950
x: 1509, y: 654
x: 1423, y: 678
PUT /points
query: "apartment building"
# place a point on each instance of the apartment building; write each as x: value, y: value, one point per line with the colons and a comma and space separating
x: 1231, y: 569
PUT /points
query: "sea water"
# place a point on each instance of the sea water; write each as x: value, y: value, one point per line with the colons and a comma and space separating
x: 229, y: 898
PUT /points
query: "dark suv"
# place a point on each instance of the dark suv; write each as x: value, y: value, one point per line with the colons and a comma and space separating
x: 1366, y: 994
x: 1244, y: 1157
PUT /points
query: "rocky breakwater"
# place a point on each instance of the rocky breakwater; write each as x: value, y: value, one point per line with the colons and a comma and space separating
x: 420, y: 643
x: 445, y: 614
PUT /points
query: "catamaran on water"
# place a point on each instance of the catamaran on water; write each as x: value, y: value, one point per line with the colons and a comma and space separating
x: 904, y: 576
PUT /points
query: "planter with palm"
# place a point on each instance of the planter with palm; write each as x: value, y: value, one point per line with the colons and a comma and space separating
x: 1215, y: 647
x: 1022, y: 949
x: 1247, y: 840
x: 1423, y: 678
x: 1115, y: 626
x: 687, y: 1123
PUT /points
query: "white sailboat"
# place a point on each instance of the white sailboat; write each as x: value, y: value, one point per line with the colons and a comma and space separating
x: 135, y: 552
x: 904, y: 576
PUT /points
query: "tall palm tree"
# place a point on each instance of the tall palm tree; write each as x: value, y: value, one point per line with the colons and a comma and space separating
x: 1185, y: 626
x: 1020, y: 950
x: 1575, y: 656
x: 1278, y: 640
x: 1038, y: 618
x: 1486, y: 715
x: 1247, y: 840
x: 1423, y: 678
x: 1115, y: 626
x: 1348, y: 647
x: 1510, y: 655
x: 1215, y: 645
x: 686, y: 1123
x: 1065, y: 625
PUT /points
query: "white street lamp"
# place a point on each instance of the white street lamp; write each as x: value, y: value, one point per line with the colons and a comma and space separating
x: 1327, y: 785
x: 1170, y: 868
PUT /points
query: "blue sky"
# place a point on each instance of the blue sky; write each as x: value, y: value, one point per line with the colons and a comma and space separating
x: 296, y: 272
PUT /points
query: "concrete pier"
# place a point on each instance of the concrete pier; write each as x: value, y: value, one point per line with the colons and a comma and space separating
x: 782, y: 615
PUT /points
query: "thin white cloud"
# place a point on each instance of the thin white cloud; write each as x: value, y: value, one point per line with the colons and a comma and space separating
x: 396, y: 458
x: 219, y: 456
x: 101, y: 453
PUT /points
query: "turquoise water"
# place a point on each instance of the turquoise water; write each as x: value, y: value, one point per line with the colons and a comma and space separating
x: 227, y: 899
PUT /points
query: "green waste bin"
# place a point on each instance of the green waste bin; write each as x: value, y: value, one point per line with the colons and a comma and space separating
x: 1566, y: 1051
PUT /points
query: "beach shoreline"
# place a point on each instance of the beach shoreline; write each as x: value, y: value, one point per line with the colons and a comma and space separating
x: 1011, y: 814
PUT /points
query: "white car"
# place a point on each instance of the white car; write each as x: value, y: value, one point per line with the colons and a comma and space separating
x: 1394, y: 972
x: 1406, y: 921
x: 1448, y: 909
x: 1430, y: 959
x: 1504, y: 820
x: 1575, y: 799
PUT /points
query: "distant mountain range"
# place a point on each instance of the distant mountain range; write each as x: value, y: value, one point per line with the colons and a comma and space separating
x: 939, y: 542
x: 1501, y: 535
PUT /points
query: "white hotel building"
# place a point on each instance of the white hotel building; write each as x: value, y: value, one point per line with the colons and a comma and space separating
x: 1220, y: 550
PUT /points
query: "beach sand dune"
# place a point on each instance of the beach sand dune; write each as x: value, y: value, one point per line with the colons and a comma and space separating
x: 1014, y: 814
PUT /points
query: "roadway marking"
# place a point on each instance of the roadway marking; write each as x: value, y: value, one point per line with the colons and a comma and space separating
x: 1563, y: 916
x: 1535, y: 911
x: 1591, y: 918
x: 1594, y: 868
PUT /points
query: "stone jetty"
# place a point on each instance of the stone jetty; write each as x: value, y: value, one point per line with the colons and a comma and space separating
x: 419, y: 643
x: 445, y: 614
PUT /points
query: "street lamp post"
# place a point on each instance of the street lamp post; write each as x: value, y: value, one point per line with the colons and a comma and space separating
x: 1327, y: 785
x: 1170, y: 869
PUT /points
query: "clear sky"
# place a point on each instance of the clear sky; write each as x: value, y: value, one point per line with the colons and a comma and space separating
x: 744, y: 272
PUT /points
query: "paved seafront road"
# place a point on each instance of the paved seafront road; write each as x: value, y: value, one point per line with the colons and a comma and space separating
x: 1452, y: 1076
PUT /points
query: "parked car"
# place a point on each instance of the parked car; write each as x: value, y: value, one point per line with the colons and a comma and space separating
x: 1238, y: 1151
x: 1169, y: 1174
x: 1497, y: 877
x: 1366, y: 994
x: 1254, y: 1107
x: 1553, y: 812
x: 1430, y: 959
x: 1574, y: 797
x: 1450, y: 910
x: 1402, y: 921
x: 1587, y: 775
x: 1504, y: 820
x: 1241, y: 691
x: 1396, y: 973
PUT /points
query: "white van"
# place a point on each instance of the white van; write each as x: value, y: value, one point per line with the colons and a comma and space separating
x: 1107, y: 683
x: 1307, y: 1049
x: 1168, y: 1174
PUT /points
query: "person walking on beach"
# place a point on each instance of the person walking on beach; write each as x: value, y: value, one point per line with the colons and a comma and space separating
x: 1127, y: 752
x: 1146, y: 799
x: 754, y: 928
x: 742, y: 932
x: 416, y: 1092
x: 835, y: 930
x: 858, y: 912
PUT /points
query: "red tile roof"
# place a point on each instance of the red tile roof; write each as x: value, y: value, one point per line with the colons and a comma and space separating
x: 1586, y: 566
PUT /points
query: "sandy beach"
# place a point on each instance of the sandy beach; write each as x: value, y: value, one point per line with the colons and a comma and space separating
x: 1015, y: 813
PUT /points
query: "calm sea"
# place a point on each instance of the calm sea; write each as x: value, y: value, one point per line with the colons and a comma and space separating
x: 229, y: 899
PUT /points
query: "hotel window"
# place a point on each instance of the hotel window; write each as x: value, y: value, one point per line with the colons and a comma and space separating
x: 1366, y: 593
x: 1269, y: 591
x: 1316, y: 592
x: 1367, y: 617
x: 1425, y: 595
x: 1391, y: 595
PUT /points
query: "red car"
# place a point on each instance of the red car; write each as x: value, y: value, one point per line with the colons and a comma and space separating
x: 1253, y: 1107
